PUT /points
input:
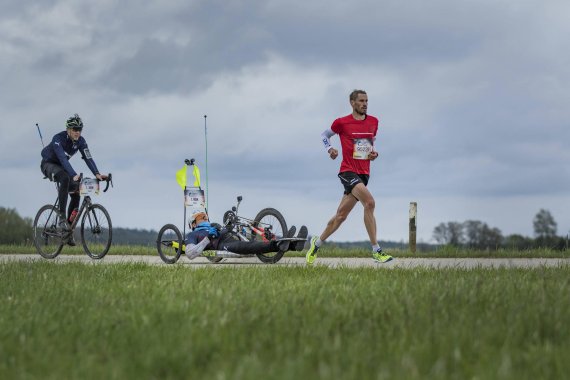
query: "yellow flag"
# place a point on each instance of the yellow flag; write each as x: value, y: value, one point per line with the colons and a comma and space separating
x: 196, y: 173
x: 181, y: 177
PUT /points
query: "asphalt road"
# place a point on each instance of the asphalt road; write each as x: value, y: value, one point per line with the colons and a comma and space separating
x: 405, y: 263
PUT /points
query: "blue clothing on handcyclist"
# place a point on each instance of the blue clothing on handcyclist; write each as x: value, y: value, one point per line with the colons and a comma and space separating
x: 202, y: 230
x: 205, y: 236
x: 62, y: 148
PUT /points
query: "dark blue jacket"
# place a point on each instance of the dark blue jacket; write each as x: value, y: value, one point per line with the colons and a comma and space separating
x: 62, y: 148
x: 204, y: 229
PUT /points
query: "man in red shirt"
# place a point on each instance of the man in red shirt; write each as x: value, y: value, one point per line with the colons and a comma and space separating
x: 357, y: 133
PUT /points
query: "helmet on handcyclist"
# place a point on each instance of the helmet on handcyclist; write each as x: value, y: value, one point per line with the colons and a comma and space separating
x: 74, y: 122
x: 197, y: 217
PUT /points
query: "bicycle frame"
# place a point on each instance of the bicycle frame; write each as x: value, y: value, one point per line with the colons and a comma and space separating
x: 237, y: 224
x: 85, y: 203
x: 95, y: 228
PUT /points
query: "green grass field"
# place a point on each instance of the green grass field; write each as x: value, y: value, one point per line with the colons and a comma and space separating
x: 281, y: 322
x: 325, y: 251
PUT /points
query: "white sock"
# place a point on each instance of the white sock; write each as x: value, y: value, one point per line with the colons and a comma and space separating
x: 375, y: 248
x: 318, y: 242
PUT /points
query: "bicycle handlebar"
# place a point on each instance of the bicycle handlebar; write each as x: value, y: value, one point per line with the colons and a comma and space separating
x: 109, y: 179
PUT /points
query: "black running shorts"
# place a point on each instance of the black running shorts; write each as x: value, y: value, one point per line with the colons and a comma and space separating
x: 351, y: 179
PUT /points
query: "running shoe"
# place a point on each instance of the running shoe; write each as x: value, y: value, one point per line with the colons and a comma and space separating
x: 381, y: 257
x: 312, y: 252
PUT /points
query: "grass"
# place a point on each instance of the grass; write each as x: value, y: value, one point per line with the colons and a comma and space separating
x: 325, y: 251
x: 137, y: 321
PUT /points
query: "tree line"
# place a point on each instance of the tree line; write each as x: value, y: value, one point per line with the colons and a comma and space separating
x: 478, y: 235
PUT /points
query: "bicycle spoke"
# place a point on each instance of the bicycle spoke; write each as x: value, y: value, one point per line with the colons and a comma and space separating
x: 47, y: 237
x: 96, y: 231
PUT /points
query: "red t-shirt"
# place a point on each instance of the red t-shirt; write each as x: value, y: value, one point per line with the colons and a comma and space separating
x: 356, y: 139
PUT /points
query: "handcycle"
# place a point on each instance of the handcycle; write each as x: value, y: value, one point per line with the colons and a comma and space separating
x: 269, y: 224
x: 96, y: 230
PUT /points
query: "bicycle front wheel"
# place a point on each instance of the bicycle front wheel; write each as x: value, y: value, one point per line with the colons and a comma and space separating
x: 96, y: 231
x: 273, y: 223
x: 169, y: 243
x: 47, y: 239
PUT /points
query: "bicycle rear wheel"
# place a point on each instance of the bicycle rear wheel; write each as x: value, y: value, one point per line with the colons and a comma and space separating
x: 169, y: 243
x: 47, y: 239
x: 96, y: 231
x: 273, y: 222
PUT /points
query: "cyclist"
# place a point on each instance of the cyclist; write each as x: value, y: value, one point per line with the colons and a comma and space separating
x: 55, y: 165
x: 210, y: 236
x: 357, y: 132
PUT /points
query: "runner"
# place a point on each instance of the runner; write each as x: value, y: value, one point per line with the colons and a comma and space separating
x: 357, y: 133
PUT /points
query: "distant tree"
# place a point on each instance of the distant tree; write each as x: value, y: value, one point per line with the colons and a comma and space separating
x: 449, y: 233
x: 518, y: 242
x: 473, y: 230
x: 544, y: 225
x: 13, y: 228
x: 479, y: 235
x: 491, y: 238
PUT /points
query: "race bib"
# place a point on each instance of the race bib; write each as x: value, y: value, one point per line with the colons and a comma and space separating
x: 195, y: 199
x: 89, y: 186
x: 362, y: 148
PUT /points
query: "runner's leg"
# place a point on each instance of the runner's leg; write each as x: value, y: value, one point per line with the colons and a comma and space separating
x: 365, y: 197
x: 347, y: 203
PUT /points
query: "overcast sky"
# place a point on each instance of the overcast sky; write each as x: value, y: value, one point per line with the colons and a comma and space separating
x: 473, y: 99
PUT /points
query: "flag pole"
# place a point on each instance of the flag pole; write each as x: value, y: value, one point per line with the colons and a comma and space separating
x: 206, y: 138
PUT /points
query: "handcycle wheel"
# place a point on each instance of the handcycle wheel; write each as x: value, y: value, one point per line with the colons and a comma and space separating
x: 213, y: 259
x: 96, y: 231
x: 276, y: 226
x: 47, y: 239
x: 169, y: 252
x: 228, y: 217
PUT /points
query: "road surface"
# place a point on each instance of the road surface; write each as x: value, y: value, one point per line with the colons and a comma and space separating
x: 406, y: 263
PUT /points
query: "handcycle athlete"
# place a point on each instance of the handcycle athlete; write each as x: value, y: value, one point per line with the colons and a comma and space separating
x: 210, y: 236
x: 55, y: 166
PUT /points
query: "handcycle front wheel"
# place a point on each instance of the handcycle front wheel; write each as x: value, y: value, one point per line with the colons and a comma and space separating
x: 96, y: 231
x: 47, y: 239
x: 169, y: 243
x: 276, y: 226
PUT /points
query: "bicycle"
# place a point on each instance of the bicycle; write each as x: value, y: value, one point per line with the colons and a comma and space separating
x: 96, y: 230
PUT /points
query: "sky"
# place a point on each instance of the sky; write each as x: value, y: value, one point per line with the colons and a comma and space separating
x: 473, y: 100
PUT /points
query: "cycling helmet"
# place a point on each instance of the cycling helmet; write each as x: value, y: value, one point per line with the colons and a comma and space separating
x: 74, y: 122
x: 200, y: 215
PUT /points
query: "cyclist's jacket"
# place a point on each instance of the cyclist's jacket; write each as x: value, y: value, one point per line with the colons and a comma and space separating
x: 62, y: 148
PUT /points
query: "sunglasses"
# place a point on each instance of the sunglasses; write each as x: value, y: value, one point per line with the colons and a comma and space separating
x: 75, y: 129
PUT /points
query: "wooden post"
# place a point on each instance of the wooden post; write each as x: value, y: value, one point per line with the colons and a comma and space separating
x: 413, y: 227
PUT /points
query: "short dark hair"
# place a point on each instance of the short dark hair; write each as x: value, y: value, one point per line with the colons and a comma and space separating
x: 354, y: 94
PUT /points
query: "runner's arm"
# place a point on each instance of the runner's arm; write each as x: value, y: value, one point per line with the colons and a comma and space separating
x: 325, y: 138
